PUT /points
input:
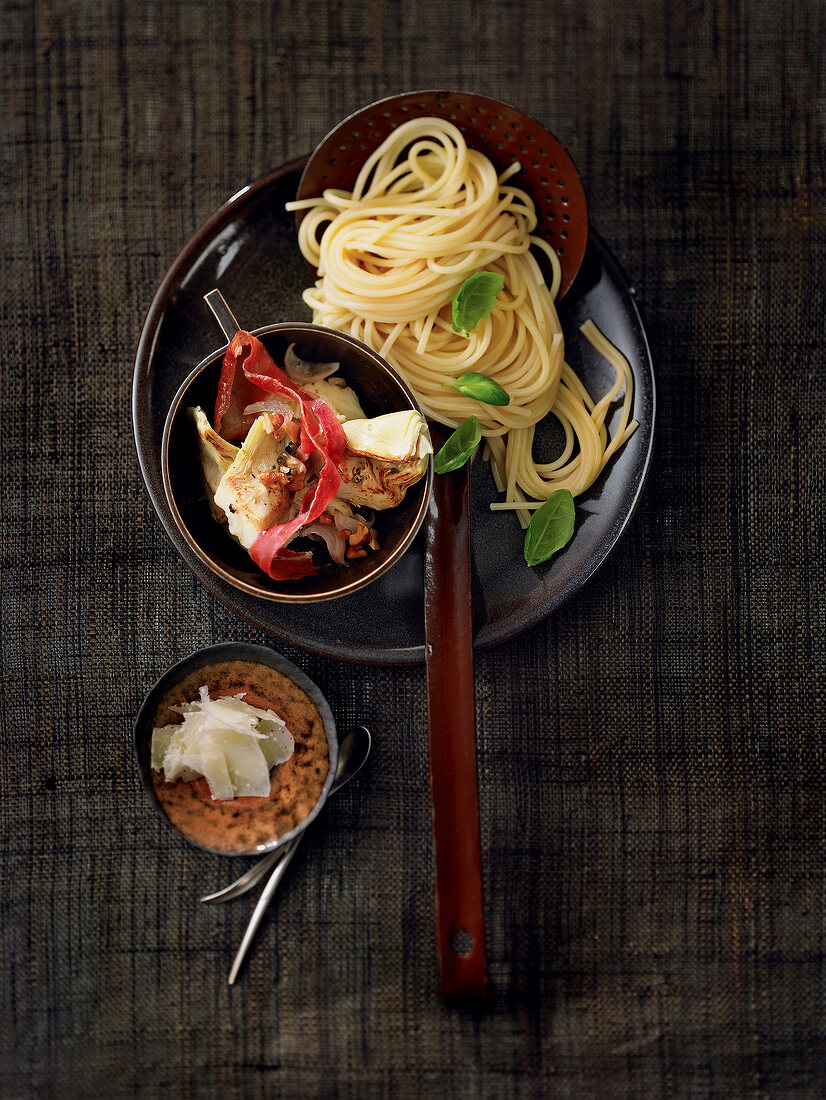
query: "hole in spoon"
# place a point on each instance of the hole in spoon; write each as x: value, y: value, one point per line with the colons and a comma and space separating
x: 461, y: 943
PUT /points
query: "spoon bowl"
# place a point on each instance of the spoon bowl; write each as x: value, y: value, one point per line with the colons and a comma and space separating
x: 500, y: 131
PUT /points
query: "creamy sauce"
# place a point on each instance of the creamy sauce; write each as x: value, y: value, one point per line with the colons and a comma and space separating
x: 243, y: 824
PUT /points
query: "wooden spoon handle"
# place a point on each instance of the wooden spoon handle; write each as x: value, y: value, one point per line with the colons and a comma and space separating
x: 451, y: 729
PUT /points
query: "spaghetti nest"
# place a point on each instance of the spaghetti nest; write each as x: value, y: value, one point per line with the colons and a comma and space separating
x: 427, y: 212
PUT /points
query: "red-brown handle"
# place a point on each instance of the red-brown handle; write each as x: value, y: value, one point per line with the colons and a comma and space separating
x: 451, y: 725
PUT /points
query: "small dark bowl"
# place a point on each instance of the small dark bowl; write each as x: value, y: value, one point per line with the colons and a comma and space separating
x: 204, y: 659
x: 379, y: 389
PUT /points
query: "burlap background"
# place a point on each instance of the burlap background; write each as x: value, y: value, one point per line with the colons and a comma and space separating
x: 652, y: 764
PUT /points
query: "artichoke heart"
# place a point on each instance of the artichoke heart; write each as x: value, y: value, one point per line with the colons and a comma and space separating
x: 216, y: 457
x: 383, y: 458
x: 394, y: 437
x: 253, y: 494
x: 339, y: 397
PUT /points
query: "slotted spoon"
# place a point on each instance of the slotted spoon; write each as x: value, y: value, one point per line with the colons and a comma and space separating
x: 504, y: 134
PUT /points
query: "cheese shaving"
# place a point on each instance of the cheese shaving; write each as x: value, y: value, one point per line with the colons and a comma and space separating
x: 231, y: 744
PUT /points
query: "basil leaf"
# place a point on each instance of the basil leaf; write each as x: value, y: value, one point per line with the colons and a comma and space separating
x: 459, y: 447
x: 480, y: 387
x: 550, y: 528
x: 474, y: 300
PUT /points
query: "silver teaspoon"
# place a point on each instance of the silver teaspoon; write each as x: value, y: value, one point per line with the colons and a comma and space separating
x: 249, y: 879
x: 353, y: 752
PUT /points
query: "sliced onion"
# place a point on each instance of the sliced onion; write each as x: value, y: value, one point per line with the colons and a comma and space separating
x: 343, y: 522
x: 343, y: 516
x: 347, y: 519
x: 303, y: 370
x: 335, y: 543
x: 272, y: 405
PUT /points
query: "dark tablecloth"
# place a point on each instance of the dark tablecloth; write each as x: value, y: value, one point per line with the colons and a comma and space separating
x: 651, y: 757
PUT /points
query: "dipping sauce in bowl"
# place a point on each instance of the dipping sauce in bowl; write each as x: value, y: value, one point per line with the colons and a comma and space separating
x: 298, y: 787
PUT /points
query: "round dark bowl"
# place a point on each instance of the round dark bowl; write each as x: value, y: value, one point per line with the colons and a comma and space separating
x: 379, y: 389
x: 204, y: 659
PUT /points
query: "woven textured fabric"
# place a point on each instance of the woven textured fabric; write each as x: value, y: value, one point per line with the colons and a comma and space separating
x: 652, y: 768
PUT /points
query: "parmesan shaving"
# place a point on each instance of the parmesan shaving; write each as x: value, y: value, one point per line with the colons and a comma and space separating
x: 231, y: 744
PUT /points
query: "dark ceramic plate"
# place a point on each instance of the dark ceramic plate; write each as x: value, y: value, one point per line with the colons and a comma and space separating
x: 248, y: 250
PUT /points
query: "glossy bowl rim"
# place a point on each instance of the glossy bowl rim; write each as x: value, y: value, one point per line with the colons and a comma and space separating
x: 196, y: 548
x: 203, y: 658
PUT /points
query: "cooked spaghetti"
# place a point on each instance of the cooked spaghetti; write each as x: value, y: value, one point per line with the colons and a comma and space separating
x: 427, y: 212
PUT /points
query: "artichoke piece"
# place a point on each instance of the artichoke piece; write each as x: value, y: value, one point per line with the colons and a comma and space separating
x: 216, y: 457
x: 397, y: 436
x: 383, y: 458
x: 339, y: 396
x: 253, y: 494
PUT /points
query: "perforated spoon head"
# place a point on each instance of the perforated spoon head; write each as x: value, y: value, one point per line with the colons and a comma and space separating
x: 502, y: 132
